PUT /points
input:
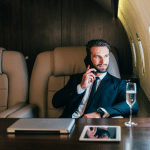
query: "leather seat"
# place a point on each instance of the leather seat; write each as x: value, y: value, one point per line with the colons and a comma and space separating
x: 13, y: 82
x: 51, y: 72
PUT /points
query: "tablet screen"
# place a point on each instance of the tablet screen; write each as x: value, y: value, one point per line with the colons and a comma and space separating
x: 101, y: 133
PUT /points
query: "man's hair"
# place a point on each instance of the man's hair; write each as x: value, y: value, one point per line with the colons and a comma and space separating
x: 94, y: 43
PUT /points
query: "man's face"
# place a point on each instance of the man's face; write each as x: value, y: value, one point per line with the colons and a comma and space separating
x: 100, y: 58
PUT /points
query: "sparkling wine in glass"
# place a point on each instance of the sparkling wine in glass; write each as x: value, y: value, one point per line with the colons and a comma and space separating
x: 130, y: 100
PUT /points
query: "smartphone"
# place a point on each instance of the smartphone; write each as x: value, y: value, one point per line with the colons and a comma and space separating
x: 87, y: 61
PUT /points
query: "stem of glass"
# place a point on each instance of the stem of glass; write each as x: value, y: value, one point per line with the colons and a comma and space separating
x: 130, y: 114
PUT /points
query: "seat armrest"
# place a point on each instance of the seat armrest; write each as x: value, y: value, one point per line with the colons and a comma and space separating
x: 29, y: 111
x: 8, y: 111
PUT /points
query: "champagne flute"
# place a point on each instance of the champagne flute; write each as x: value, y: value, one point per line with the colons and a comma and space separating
x: 130, y: 100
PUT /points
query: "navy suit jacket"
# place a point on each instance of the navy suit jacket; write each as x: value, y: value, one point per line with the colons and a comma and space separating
x: 110, y: 95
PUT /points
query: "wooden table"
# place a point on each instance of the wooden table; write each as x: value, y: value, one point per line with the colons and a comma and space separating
x: 135, y: 138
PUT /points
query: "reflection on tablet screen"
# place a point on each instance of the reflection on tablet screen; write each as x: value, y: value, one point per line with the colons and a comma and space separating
x: 100, y: 133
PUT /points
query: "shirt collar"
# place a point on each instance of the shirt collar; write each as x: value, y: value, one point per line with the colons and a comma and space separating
x: 102, y: 76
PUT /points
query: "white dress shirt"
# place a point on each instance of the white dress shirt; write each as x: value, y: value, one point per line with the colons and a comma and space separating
x: 83, y: 104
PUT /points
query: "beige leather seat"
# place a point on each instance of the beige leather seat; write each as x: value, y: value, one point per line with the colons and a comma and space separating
x: 52, y: 70
x: 13, y: 82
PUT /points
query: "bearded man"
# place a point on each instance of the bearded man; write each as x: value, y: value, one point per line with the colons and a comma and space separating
x: 95, y: 93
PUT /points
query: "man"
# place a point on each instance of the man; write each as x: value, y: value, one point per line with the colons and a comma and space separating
x: 109, y: 98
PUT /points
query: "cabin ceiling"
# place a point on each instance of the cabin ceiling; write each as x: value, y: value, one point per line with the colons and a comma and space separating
x: 111, y: 6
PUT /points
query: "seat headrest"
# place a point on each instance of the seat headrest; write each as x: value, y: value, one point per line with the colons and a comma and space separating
x: 70, y: 60
x: 1, y: 53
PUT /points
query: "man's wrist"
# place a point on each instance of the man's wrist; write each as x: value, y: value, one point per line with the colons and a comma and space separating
x: 101, y: 112
x: 79, y: 89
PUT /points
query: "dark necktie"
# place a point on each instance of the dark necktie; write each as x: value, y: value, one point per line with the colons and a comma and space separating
x: 91, y: 94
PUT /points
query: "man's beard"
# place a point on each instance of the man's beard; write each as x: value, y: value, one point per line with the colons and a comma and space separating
x: 102, y: 70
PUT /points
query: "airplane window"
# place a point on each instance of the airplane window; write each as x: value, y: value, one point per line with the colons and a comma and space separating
x: 142, y: 56
x: 134, y: 53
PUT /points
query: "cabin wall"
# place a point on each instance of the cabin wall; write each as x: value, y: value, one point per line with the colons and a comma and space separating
x: 35, y: 26
x: 135, y: 17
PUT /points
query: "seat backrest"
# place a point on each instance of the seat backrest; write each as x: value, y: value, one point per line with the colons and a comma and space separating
x: 13, y: 79
x: 51, y: 72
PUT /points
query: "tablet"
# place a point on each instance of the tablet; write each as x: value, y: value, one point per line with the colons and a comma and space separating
x: 101, y: 133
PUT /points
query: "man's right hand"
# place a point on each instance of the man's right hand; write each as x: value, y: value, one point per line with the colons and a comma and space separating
x: 88, y: 78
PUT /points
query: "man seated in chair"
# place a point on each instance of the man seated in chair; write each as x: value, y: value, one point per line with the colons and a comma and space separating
x: 95, y: 93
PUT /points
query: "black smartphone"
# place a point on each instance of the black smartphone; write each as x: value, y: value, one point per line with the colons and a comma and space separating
x: 87, y: 62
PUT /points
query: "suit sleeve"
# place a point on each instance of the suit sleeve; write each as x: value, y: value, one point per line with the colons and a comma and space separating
x: 66, y: 94
x: 121, y: 108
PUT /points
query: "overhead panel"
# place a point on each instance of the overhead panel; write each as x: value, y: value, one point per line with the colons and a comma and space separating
x: 111, y: 6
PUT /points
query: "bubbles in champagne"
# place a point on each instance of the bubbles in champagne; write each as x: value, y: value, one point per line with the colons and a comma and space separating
x: 130, y: 98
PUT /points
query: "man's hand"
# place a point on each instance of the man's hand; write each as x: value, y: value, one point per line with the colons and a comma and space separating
x: 87, y: 78
x: 92, y: 115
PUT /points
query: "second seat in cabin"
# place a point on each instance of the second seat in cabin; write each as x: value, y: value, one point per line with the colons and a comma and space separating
x: 13, y: 82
